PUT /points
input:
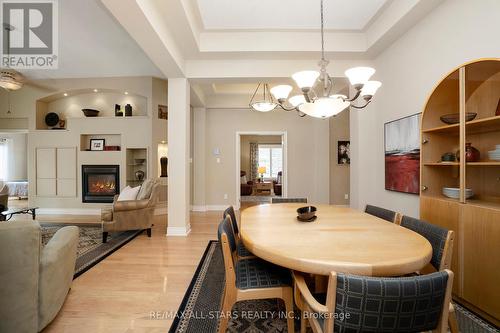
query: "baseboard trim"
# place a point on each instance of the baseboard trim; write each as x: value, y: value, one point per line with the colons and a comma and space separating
x: 68, y: 211
x: 209, y: 208
x: 199, y: 208
x: 178, y: 231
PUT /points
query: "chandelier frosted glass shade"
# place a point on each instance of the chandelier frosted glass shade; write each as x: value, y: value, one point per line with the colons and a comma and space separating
x: 358, y: 76
x: 324, y: 107
x: 305, y: 79
x: 282, y: 91
x: 297, y: 100
x: 10, y: 83
x: 263, y: 106
x: 370, y: 88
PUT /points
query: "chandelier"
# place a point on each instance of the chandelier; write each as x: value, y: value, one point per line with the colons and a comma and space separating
x: 317, y: 99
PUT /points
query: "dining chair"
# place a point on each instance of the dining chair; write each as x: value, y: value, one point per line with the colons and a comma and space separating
x: 442, y: 249
x: 251, y: 279
x: 241, y: 251
x: 288, y: 200
x: 383, y: 213
x: 376, y: 304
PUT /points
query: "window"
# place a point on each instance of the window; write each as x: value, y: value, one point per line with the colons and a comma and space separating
x: 3, y: 159
x: 271, y: 156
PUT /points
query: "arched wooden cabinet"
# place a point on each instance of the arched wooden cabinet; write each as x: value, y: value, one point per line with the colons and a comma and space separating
x: 472, y: 88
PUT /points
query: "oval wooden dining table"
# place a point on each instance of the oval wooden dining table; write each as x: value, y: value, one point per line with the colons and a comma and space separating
x: 341, y: 239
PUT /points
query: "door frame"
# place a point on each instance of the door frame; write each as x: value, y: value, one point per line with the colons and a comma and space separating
x: 284, y: 178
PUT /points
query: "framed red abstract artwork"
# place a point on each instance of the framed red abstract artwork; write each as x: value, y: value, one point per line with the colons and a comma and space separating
x: 402, y: 154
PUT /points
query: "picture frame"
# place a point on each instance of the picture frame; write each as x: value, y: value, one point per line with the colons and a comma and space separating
x: 162, y: 112
x: 97, y: 144
x: 344, y: 152
x: 402, y: 154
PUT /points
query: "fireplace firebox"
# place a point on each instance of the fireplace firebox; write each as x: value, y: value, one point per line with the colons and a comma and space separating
x: 100, y: 183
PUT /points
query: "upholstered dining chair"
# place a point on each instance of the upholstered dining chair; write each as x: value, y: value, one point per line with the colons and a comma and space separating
x: 249, y: 279
x: 383, y: 213
x: 442, y: 249
x: 288, y: 200
x: 376, y: 304
x: 241, y: 251
x: 4, y: 198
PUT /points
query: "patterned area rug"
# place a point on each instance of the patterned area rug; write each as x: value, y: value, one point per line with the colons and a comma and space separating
x: 90, y: 249
x: 200, y: 308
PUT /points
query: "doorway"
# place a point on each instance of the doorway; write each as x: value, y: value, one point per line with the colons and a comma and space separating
x: 261, y: 168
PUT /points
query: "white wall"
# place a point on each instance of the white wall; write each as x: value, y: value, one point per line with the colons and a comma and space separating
x: 308, y: 152
x: 454, y: 33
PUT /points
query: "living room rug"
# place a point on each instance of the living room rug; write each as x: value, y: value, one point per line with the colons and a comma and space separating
x: 90, y: 249
x: 200, y: 308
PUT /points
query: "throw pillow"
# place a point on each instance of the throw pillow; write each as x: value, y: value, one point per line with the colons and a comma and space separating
x: 129, y: 193
x: 146, y: 189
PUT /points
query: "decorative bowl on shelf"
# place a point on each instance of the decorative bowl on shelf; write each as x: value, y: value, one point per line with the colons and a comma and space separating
x: 448, y: 157
x: 90, y: 112
x: 306, y: 214
x: 454, y: 192
x: 140, y: 160
x: 495, y: 154
x: 454, y: 118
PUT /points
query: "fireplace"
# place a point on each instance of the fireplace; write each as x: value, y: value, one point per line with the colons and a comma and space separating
x: 100, y: 183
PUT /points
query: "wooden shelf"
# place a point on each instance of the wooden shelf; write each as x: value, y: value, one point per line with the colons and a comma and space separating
x: 440, y: 197
x: 443, y: 129
x: 483, y: 125
x: 485, y: 163
x: 442, y: 164
x: 484, y: 203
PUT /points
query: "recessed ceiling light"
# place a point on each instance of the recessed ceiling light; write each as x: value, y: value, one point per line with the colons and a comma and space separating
x: 95, y: 90
x: 65, y: 94
x: 126, y: 92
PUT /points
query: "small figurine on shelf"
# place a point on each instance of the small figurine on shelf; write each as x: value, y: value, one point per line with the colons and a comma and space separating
x: 128, y: 110
x: 139, y: 175
x: 118, y: 112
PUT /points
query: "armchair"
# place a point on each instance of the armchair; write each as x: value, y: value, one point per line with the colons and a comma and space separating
x: 4, y: 198
x: 132, y: 214
x: 246, y: 188
x: 35, y: 280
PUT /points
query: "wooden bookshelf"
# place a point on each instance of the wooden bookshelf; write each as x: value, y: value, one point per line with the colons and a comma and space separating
x: 474, y: 87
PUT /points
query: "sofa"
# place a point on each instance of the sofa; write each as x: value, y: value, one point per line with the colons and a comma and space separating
x: 4, y: 198
x: 34, y: 280
x: 132, y: 214
x: 246, y: 186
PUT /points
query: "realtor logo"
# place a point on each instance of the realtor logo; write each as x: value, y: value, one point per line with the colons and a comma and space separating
x: 30, y: 34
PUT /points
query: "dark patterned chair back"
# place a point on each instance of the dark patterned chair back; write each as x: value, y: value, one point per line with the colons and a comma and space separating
x: 226, y: 228
x: 230, y: 211
x: 288, y: 200
x: 407, y: 304
x: 433, y: 233
x: 383, y: 213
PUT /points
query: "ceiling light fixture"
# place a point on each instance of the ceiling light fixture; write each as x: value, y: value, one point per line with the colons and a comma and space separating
x: 95, y: 90
x: 65, y: 94
x: 126, y: 93
x: 321, y: 103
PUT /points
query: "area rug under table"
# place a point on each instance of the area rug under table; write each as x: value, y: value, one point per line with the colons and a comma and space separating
x: 202, y: 303
x: 90, y: 249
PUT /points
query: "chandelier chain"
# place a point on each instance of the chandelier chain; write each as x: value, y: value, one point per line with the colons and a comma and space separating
x: 322, y: 34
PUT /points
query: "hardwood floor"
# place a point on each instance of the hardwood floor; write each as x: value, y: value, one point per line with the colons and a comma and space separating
x: 144, y: 276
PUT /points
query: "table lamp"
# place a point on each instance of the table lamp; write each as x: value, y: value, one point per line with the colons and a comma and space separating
x: 262, y: 171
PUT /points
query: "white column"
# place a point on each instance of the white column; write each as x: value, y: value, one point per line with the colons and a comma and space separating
x: 199, y: 201
x: 178, y: 157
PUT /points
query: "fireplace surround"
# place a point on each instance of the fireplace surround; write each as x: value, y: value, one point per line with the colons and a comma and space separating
x: 100, y: 183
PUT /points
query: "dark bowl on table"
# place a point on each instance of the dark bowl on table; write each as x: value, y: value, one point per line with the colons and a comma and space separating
x: 306, y: 213
x: 90, y: 112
